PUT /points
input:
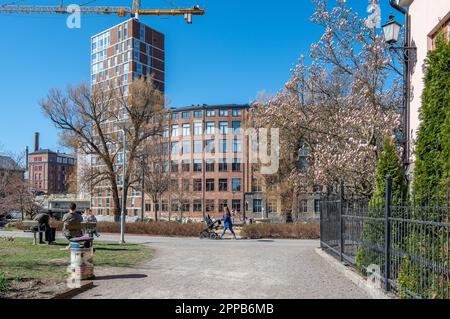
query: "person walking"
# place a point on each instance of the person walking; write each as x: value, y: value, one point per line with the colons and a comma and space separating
x: 227, y: 223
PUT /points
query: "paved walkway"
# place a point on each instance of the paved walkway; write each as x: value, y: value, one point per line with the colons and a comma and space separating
x: 250, y: 269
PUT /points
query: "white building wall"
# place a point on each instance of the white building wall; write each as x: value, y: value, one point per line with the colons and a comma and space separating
x: 425, y: 16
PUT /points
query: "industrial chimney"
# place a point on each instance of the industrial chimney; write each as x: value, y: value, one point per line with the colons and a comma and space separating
x: 36, y: 141
x: 27, y: 154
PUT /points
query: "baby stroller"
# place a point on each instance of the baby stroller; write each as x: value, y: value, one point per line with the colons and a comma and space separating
x: 210, y: 231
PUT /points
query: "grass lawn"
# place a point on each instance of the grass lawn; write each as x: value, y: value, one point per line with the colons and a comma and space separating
x: 21, y: 261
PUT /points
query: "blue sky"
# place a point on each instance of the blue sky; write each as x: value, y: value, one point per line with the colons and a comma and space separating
x: 238, y: 49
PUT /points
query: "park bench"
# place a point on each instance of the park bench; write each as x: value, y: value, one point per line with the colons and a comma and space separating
x: 34, y: 227
x: 85, y: 228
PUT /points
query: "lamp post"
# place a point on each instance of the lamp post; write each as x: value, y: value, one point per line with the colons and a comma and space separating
x: 391, y: 30
x: 124, y: 202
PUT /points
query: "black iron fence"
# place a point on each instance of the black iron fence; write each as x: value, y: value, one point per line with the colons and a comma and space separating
x: 400, y: 241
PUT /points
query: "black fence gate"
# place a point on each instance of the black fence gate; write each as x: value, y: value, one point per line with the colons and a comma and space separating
x: 401, y: 242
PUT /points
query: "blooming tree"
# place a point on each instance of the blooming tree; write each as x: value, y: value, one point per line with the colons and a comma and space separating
x: 335, y: 111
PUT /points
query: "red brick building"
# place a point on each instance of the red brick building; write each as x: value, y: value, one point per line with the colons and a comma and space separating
x: 48, y: 171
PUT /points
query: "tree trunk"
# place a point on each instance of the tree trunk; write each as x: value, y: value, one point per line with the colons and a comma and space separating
x: 156, y: 205
x: 117, y: 203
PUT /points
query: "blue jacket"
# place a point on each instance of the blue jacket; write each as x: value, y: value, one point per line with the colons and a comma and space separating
x: 228, y: 223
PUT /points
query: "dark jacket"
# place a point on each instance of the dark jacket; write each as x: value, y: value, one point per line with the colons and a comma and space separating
x: 42, y: 218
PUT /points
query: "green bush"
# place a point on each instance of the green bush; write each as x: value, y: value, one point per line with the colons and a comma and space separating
x: 432, y: 165
x: 389, y: 164
x: 4, y: 283
x: 432, y: 170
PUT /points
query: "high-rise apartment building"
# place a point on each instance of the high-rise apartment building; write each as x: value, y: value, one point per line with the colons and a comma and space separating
x: 119, y: 55
x: 127, y: 51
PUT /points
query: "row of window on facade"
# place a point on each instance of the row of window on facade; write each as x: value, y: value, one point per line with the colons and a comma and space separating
x: 209, y: 146
x: 199, y: 114
x: 197, y: 166
x: 210, y: 129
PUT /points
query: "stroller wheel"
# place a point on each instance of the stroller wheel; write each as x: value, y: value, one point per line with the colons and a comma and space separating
x: 204, y: 235
x: 214, y: 236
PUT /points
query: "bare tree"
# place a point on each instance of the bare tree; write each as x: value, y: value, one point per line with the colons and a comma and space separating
x: 96, y: 121
x: 15, y: 192
x: 180, y: 193
x: 156, y: 174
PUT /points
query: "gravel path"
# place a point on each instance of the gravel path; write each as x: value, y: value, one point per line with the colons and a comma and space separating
x: 248, y: 269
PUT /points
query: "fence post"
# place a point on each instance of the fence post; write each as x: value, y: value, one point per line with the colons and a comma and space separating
x: 387, y: 234
x: 341, y: 220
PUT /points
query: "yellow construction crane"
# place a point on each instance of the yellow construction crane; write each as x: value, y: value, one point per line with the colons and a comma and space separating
x: 135, y: 10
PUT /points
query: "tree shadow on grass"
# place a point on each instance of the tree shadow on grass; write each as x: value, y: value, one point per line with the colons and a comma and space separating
x: 118, y: 277
x: 113, y: 249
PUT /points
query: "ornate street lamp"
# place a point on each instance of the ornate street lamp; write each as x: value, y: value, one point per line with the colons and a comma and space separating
x: 405, y: 55
x: 391, y: 30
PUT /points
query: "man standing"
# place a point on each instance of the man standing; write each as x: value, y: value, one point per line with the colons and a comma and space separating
x: 72, y: 223
x: 44, y: 221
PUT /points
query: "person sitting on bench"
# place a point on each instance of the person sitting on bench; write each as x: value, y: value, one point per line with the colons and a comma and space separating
x: 44, y: 221
x: 72, y: 223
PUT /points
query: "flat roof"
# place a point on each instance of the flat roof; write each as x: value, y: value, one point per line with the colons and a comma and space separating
x: 209, y: 107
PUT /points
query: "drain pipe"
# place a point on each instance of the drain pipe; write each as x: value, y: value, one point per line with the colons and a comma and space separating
x: 406, y: 79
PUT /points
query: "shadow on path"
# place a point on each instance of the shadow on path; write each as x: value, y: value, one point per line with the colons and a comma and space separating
x: 114, y: 277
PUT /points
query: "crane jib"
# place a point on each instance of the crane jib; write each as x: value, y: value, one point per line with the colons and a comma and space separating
x: 121, y: 11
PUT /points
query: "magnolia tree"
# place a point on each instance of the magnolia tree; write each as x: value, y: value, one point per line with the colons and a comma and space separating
x: 334, y: 112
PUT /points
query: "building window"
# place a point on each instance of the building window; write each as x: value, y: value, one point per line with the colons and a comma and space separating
x: 236, y: 185
x: 166, y: 132
x: 197, y: 165
x: 186, y: 147
x: 223, y: 185
x: 210, y: 185
x: 186, y: 129
x: 175, y: 116
x: 209, y: 206
x: 223, y: 146
x: 236, y: 165
x: 175, y: 148
x: 223, y: 128
x: 223, y: 165
x: 222, y: 204
x: 210, y: 147
x: 210, y: 113
x: 175, y: 130
x: 236, y: 205
x: 210, y: 166
x: 317, y: 206
x: 197, y: 205
x: 236, y: 127
x: 210, y: 128
x: 186, y: 115
x: 186, y: 166
x: 174, y: 167
x: 257, y: 205
x: 198, y: 114
x: 237, y: 146
x: 198, y: 129
x: 272, y: 206
x: 197, y: 185
x: 223, y: 113
x: 304, y: 205
x: 186, y: 185
x: 236, y: 113
x: 198, y: 147
x: 256, y: 185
